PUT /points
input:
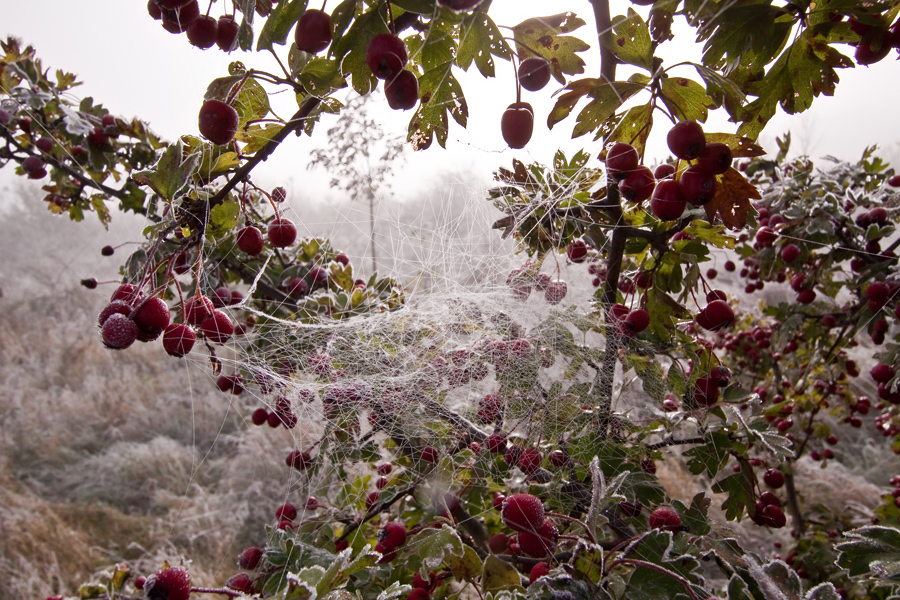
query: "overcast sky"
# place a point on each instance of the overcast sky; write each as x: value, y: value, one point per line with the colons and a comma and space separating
x: 135, y: 68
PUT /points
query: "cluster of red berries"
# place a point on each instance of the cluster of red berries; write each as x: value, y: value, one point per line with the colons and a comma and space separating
x: 523, y: 282
x: 877, y: 39
x: 669, y: 196
x: 203, y: 31
x: 391, y: 537
x: 768, y: 511
x: 282, y: 414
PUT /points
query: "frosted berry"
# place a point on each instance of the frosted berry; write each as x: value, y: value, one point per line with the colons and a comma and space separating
x: 555, y: 292
x: 218, y: 327
x: 577, y: 251
x: 118, y: 332
x: 282, y: 232
x: 542, y: 542
x: 523, y: 512
x: 663, y: 518
x: 173, y: 583
x: 392, y: 535
x: 152, y: 317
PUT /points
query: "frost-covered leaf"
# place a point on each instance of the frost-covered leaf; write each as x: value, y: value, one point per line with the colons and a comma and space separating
x: 432, y: 545
x: 874, y: 549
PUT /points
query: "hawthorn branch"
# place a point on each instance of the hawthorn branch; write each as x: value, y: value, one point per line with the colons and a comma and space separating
x: 294, y: 124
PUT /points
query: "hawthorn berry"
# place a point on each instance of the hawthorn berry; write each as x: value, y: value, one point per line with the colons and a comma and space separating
x: 402, y: 90
x: 250, y: 240
x: 530, y: 461
x: 118, y: 332
x: 392, y: 535
x: 259, y: 416
x: 534, y: 73
x: 577, y: 250
x: 715, y: 158
x: 197, y: 309
x: 226, y: 33
x: 698, y: 186
x: 706, y: 391
x: 686, y: 140
x: 218, y: 122
x: 498, y: 543
x: 540, y: 543
x: 429, y: 454
x: 298, y: 459
x: 621, y: 160
x: 178, y: 339
x: 386, y: 55
x: 668, y: 202
x: 774, y: 478
x: 517, y: 124
x: 172, y: 583
x: 664, y: 518
x: 313, y: 31
x: 282, y: 232
x: 218, y: 327
x: 523, y: 512
x: 555, y: 292
x: 286, y: 511
x: 638, y: 186
x: 152, y: 317
x: 203, y: 32
x: 240, y: 582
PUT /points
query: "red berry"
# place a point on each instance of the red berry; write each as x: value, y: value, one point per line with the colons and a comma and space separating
x: 386, y: 56
x: 637, y: 321
x: 517, y: 124
x: 668, y: 201
x: 429, y: 454
x: 706, y: 391
x: 774, y: 478
x: 218, y: 121
x: 790, y: 253
x: 534, y: 73
x: 392, y: 535
x: 498, y: 543
x: 178, y: 339
x: 118, y: 332
x: 230, y: 383
x: 203, y: 32
x: 313, y: 32
x: 250, y: 240
x: 686, y: 140
x: 555, y: 292
x: 537, y: 571
x: 664, y: 170
x: 530, y: 461
x: 716, y: 315
x: 218, y: 327
x: 806, y: 296
x: 282, y: 232
x: 173, y: 583
x: 286, y: 511
x: 298, y: 459
x: 127, y: 293
x: 260, y: 416
x: 523, y: 512
x: 152, y: 317
x: 540, y: 543
x: 496, y: 443
x: 402, y: 91
x: 250, y: 557
x: 664, y: 517
x: 715, y: 158
x: 179, y: 19
x: 197, y: 309
x: 882, y: 373
x: 154, y: 10
x: 240, y: 582
x: 384, y: 469
x: 638, y: 186
x: 621, y: 160
x: 871, y: 51
x: 226, y: 33
x: 576, y: 251
x: 699, y: 186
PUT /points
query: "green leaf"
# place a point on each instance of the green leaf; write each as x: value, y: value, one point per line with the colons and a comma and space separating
x: 499, y: 574
x: 256, y: 136
x: 441, y: 95
x: 351, y: 48
x: 466, y: 567
x: 479, y: 40
x: 722, y: 90
x: 223, y: 217
x: 279, y: 24
x: 630, y: 40
x: 739, y: 488
x: 542, y: 35
x: 321, y: 76
x: 872, y: 550
x: 710, y: 456
x: 251, y: 102
x: 686, y: 99
x: 171, y: 175
x: 433, y: 545
x: 632, y: 128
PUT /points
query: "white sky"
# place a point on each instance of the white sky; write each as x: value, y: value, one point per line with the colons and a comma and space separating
x: 135, y: 68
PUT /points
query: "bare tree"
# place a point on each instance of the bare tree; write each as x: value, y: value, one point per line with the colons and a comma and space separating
x: 360, y: 158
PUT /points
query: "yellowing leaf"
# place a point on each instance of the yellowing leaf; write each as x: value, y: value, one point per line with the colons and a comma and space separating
x: 498, y: 574
x: 732, y: 200
x: 542, y: 35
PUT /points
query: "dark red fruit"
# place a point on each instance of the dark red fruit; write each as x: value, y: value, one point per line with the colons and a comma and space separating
x: 386, y: 56
x: 282, y: 233
x: 871, y: 51
x: 576, y: 251
x: 558, y: 458
x: 402, y: 92
x: 178, y: 20
x: 496, y: 443
x: 171, y: 4
x: 203, y: 32
x: 715, y: 158
x: 429, y: 454
x: 530, y: 461
x: 638, y: 186
x: 664, y: 170
x: 154, y: 10
x: 517, y: 124
x: 313, y: 32
x: 716, y: 315
x: 240, y: 582
x: 218, y: 327
x: 637, y: 321
x: 498, y: 543
x: 706, y: 391
x: 173, y: 583
x: 227, y: 33
x: 882, y: 373
x: 686, y: 140
x: 542, y: 542
x: 664, y: 518
x: 218, y: 122
x: 178, y: 339
x: 197, y: 309
x: 392, y: 535
x: 621, y: 160
x: 45, y: 144
x: 537, y: 571
x: 118, y: 332
x: 259, y: 417
x: 668, y: 202
x: 250, y: 557
x: 298, y: 459
x: 534, y: 73
x: 250, y: 240
x: 33, y: 164
x: 699, y: 187
x: 523, y: 512
x: 230, y: 383
x: 555, y: 292
x: 297, y: 287
x: 286, y: 511
x: 774, y: 478
x: 790, y: 253
x: 152, y: 317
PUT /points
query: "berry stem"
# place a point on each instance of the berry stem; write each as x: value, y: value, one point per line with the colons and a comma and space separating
x: 581, y: 523
x: 223, y: 591
x: 390, y: 17
x: 658, y: 569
